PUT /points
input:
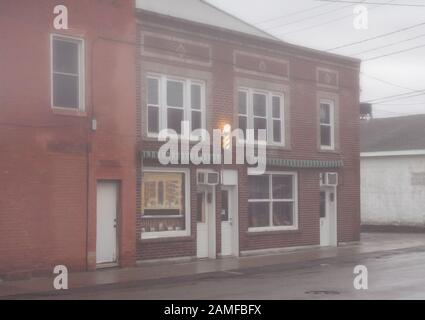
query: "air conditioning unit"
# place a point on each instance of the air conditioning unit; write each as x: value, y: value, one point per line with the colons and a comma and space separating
x: 329, y: 179
x: 207, y: 177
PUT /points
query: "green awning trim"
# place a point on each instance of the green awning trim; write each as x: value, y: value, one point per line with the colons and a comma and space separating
x: 274, y: 162
x: 294, y: 163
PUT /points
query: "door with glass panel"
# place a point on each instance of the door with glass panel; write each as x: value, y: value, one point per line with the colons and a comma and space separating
x: 205, y: 235
x: 228, y: 221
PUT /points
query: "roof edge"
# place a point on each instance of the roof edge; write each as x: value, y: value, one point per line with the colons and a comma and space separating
x: 240, y: 20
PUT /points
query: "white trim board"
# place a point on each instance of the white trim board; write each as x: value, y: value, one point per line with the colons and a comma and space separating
x: 392, y: 153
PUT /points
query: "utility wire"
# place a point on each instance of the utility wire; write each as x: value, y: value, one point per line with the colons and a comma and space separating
x: 389, y: 45
x: 378, y: 36
x: 307, y: 18
x: 292, y: 14
x: 325, y: 23
x: 397, y: 97
x: 394, y: 53
x: 386, y: 82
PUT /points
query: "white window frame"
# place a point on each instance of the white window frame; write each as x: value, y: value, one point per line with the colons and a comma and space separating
x: 270, y: 200
x: 269, y: 113
x: 81, y: 70
x: 331, y: 104
x: 170, y: 234
x: 187, y: 105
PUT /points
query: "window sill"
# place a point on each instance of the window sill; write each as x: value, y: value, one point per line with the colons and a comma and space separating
x: 171, y: 238
x: 271, y: 230
x: 69, y: 112
x: 334, y: 151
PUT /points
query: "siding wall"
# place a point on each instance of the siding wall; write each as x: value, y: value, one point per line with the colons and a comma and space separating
x: 393, y: 190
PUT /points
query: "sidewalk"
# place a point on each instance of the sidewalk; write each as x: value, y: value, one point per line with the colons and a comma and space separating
x: 160, y: 272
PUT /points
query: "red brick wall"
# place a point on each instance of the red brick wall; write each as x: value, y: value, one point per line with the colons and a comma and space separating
x: 50, y: 161
x: 303, y: 84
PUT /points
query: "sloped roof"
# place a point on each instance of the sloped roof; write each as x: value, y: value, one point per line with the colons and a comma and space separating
x: 393, y: 134
x: 201, y: 12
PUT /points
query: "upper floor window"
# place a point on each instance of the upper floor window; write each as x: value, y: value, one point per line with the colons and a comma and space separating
x: 171, y: 101
x: 327, y: 124
x: 67, y: 65
x: 262, y: 110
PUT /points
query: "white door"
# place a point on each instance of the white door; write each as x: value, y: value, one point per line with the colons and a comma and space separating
x: 202, y: 225
x: 227, y: 221
x: 206, y: 247
x: 106, y: 236
x: 327, y: 217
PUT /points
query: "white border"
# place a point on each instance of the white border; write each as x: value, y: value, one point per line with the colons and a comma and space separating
x: 417, y: 152
x: 162, y: 101
x: 295, y: 201
x: 269, y: 113
x: 331, y: 104
x: 170, y: 234
x: 81, y: 68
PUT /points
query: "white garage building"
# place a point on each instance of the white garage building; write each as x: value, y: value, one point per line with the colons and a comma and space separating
x: 393, y: 171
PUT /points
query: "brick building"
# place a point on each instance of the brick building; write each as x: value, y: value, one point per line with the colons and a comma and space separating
x: 209, y: 68
x: 56, y: 85
x: 81, y: 184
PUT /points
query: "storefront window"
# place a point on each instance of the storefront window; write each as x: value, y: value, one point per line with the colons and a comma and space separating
x: 164, y: 204
x: 272, y: 202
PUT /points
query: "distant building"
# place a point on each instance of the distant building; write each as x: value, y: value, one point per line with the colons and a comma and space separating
x: 393, y: 171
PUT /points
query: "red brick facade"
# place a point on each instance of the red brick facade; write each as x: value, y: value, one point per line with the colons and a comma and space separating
x: 225, y: 59
x: 51, y: 160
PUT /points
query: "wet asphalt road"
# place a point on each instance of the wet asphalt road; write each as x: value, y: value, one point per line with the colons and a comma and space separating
x: 396, y: 274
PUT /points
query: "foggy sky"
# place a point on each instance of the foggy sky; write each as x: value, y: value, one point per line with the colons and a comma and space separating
x: 331, y: 25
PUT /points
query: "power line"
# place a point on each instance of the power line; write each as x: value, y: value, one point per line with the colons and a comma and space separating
x: 324, y: 23
x: 389, y: 45
x: 392, y: 113
x: 407, y: 94
x: 378, y: 36
x: 386, y: 82
x: 394, y: 53
x: 292, y: 14
x: 397, y: 97
x: 385, y: 4
x: 307, y: 18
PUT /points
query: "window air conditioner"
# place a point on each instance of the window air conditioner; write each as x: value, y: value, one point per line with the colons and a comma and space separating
x: 329, y: 179
x: 210, y: 178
